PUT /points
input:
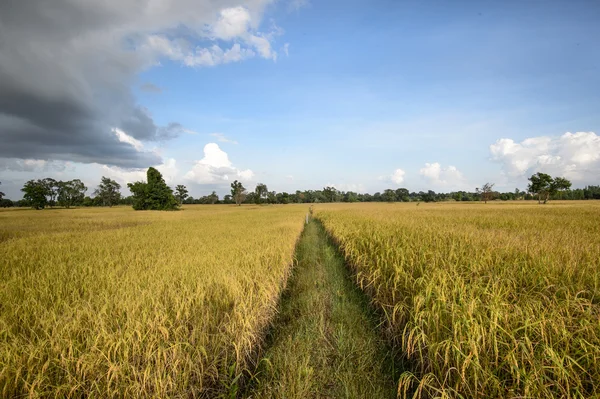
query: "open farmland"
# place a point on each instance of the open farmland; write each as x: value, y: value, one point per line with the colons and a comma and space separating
x: 112, y: 302
x: 496, y: 300
x: 476, y: 300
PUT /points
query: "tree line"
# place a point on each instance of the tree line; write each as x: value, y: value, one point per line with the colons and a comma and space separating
x: 155, y: 194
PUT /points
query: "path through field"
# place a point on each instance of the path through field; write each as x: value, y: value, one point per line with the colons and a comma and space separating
x: 325, y: 342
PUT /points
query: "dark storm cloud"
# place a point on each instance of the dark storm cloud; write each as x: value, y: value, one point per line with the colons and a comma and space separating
x: 64, y: 84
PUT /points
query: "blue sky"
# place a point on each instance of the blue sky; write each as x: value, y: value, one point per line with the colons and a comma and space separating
x: 454, y: 94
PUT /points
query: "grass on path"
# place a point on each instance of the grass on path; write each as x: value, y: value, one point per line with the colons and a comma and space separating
x: 325, y: 342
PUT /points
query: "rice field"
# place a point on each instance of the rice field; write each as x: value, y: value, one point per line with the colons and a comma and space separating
x: 497, y: 300
x: 486, y: 301
x: 117, y: 303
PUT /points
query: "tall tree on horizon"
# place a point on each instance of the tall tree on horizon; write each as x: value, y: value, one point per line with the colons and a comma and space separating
x: 71, y: 192
x: 181, y: 193
x: 486, y: 192
x: 544, y: 185
x: 261, y: 192
x: 154, y: 194
x: 108, y: 192
x: 52, y: 190
x: 35, y: 192
x: 238, y: 192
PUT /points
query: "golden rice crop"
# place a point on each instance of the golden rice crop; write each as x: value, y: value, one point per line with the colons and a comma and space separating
x: 118, y: 303
x: 486, y: 301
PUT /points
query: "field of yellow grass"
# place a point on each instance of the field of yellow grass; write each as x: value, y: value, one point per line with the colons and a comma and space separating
x: 118, y: 303
x: 486, y: 301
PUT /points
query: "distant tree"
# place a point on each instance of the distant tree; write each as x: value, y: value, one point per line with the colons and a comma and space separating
x: 108, y: 192
x: 189, y: 200
x: 35, y: 193
x: 153, y: 195
x: 272, y: 197
x: 88, y: 201
x: 283, y: 198
x: 181, y: 193
x: 402, y: 194
x: 389, y: 195
x: 51, y: 190
x: 1, y: 193
x: 330, y: 193
x: 559, y: 184
x: 590, y: 192
x: 543, y: 185
x: 71, y: 193
x: 6, y: 203
x: 213, y: 198
x: 250, y: 198
x: 228, y: 199
x: 261, y: 192
x: 238, y: 192
x: 350, y: 196
x: 486, y: 192
x: 540, y: 185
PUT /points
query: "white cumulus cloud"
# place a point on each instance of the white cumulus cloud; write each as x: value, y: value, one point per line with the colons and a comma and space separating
x: 575, y: 156
x: 236, y: 25
x: 397, y: 177
x: 443, y: 177
x: 232, y: 22
x: 215, y: 167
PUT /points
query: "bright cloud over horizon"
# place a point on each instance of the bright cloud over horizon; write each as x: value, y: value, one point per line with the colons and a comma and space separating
x: 440, y: 96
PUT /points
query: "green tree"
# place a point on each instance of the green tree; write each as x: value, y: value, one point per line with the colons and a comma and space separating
x: 540, y: 184
x: 544, y: 186
x: 261, y: 192
x: 6, y: 203
x: 213, y: 198
x: 153, y: 195
x: 181, y: 193
x: 35, y: 192
x: 139, y: 194
x: 389, y: 195
x: 486, y: 192
x: 71, y: 193
x: 238, y: 192
x: 108, y: 192
x: 560, y: 184
x: 402, y: 194
x: 51, y: 190
x: 330, y: 193
x: 350, y: 196
x: 1, y: 193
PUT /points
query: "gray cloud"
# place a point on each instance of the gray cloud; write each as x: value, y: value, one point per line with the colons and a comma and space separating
x: 150, y: 88
x: 66, y: 69
x: 28, y: 165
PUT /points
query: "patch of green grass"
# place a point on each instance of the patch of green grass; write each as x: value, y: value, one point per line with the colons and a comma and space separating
x: 325, y: 342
